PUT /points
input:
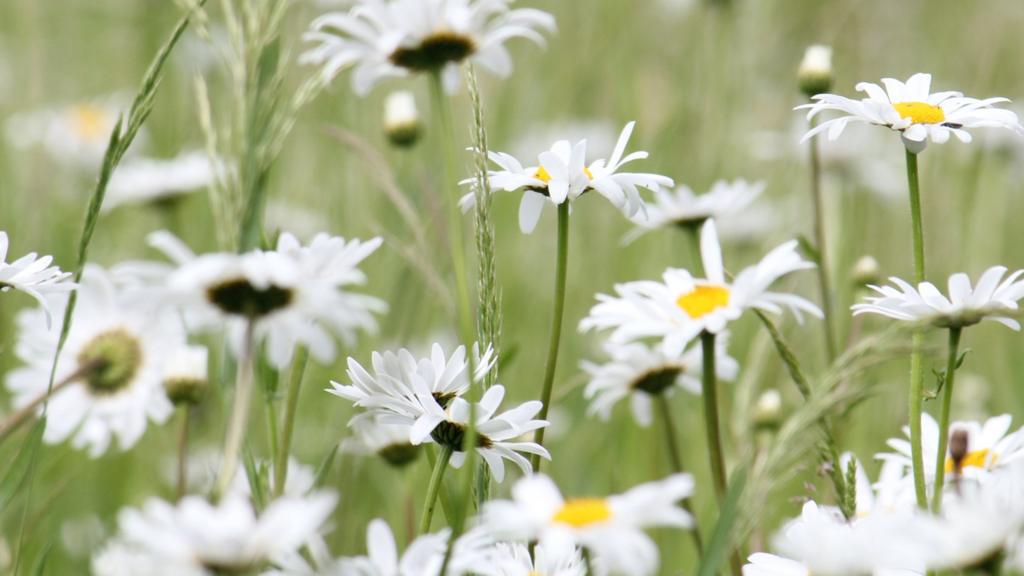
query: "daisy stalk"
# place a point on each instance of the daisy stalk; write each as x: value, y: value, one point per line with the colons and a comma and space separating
x: 675, y: 457
x: 239, y: 413
x: 824, y: 282
x: 298, y: 369
x: 434, y: 488
x: 947, y: 399
x: 182, y: 480
x: 916, y: 400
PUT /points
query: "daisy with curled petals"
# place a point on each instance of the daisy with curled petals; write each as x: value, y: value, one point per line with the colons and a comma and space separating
x: 683, y: 208
x: 397, y: 38
x: 913, y: 110
x: 610, y: 529
x: 109, y: 382
x: 994, y: 298
x: 423, y: 557
x: 562, y: 175
x: 645, y: 374
x: 682, y: 307
x: 196, y: 538
x: 32, y: 275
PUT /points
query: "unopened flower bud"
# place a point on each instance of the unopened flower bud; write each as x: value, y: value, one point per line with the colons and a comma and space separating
x: 815, y: 73
x: 768, y: 410
x: 185, y: 375
x: 866, y: 271
x: 401, y: 119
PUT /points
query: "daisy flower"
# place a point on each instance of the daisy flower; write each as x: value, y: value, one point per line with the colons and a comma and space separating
x: 32, y: 275
x: 186, y: 374
x: 562, y: 175
x: 295, y: 294
x: 681, y: 307
x: 684, y: 208
x: 557, y: 558
x: 610, y: 528
x: 196, y: 538
x: 423, y: 557
x: 76, y: 134
x: 147, y: 180
x: 911, y: 109
x: 990, y: 446
x: 110, y: 372
x: 993, y: 298
x: 388, y: 441
x: 641, y: 372
x: 397, y: 38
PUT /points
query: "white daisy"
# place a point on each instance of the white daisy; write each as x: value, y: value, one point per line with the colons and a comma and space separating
x: 680, y: 308
x: 111, y: 368
x: 561, y: 558
x: 764, y: 564
x: 402, y: 123
x: 684, y: 208
x: 396, y: 38
x: 423, y: 557
x: 610, y: 528
x: 295, y: 294
x: 993, y: 298
x: 388, y: 441
x: 32, y: 275
x: 912, y: 110
x: 990, y: 445
x: 642, y: 372
x: 76, y: 134
x: 186, y: 374
x: 146, y: 180
x: 562, y: 175
x: 196, y: 538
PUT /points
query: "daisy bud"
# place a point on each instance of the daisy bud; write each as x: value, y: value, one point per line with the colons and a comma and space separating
x: 768, y: 410
x: 401, y: 119
x: 185, y: 375
x: 866, y: 271
x: 815, y: 73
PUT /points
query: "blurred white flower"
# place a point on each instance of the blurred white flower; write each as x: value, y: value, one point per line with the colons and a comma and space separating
x: 911, y: 109
x: 401, y: 118
x: 111, y: 366
x: 301, y: 221
x: 682, y: 307
x: 562, y: 175
x: 196, y: 538
x: 684, y: 208
x: 423, y: 556
x: 642, y: 372
x: 993, y: 298
x: 610, y: 528
x: 396, y: 38
x: 556, y: 558
x: 146, y: 180
x: 388, y: 441
x: 186, y: 374
x: 33, y: 276
x: 815, y: 72
x: 77, y: 134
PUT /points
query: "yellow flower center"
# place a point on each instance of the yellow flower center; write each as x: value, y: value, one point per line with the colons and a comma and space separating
x: 920, y: 112
x: 703, y: 299
x: 975, y: 459
x: 88, y: 121
x: 542, y: 174
x: 583, y: 512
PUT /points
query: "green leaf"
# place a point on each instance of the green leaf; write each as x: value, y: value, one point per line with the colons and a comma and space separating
x: 721, y: 543
x: 808, y: 248
x: 40, y: 568
x: 15, y: 474
x: 324, y: 468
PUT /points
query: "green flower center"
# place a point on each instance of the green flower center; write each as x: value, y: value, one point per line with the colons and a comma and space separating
x: 115, y: 357
x: 657, y: 381
x: 434, y: 52
x: 241, y: 298
x: 399, y: 455
x: 454, y: 436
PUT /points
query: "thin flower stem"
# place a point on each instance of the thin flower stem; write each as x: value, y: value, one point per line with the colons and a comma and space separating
x: 677, y: 463
x: 434, y: 488
x: 290, y: 409
x: 947, y: 398
x: 693, y: 245
x: 561, y: 269
x: 821, y: 243
x: 16, y: 419
x: 239, y: 414
x: 709, y: 393
x: 915, y: 401
x: 182, y: 486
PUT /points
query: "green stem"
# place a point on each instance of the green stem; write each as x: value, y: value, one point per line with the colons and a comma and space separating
x: 239, y: 414
x: 693, y: 235
x: 709, y: 393
x: 947, y: 398
x: 434, y: 488
x: 15, y: 420
x: 561, y: 269
x: 182, y: 486
x: 915, y: 401
x: 677, y: 462
x: 290, y: 409
x: 822, y: 245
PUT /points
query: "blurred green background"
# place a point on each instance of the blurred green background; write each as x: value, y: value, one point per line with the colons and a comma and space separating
x: 712, y: 89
